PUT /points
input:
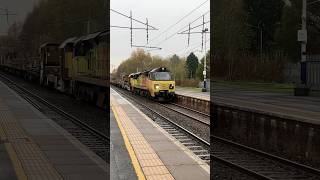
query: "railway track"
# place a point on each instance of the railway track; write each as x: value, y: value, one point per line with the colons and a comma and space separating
x: 196, y: 122
x: 199, y: 112
x: 95, y: 140
x: 248, y: 161
x: 258, y: 164
x: 199, y: 146
x: 190, y: 113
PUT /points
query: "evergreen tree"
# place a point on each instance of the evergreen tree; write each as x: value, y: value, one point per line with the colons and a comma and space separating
x: 229, y: 29
x: 230, y: 36
x: 174, y: 61
x: 201, y: 67
x: 57, y: 20
x: 192, y: 65
x: 263, y: 15
x: 286, y: 35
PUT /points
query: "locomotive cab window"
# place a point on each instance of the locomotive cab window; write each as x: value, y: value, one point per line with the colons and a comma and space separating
x: 161, y: 76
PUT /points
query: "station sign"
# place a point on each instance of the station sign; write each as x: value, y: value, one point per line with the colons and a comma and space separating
x: 302, y: 35
x: 204, y: 73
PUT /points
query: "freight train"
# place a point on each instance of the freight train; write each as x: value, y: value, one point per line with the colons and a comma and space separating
x: 157, y: 83
x: 78, y: 66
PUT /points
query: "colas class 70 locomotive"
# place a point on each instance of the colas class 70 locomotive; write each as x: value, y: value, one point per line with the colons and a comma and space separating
x: 157, y: 83
x: 78, y: 66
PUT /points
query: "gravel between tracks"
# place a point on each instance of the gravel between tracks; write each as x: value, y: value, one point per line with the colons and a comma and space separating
x: 222, y: 172
x: 204, y: 118
x: 195, y: 127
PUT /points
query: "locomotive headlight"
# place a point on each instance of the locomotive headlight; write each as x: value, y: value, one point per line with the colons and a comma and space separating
x: 156, y: 86
x: 171, y: 86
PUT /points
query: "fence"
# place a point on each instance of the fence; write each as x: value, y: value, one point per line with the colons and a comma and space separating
x: 312, y: 67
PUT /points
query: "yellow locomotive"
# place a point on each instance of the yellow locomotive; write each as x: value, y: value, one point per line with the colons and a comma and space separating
x: 157, y: 83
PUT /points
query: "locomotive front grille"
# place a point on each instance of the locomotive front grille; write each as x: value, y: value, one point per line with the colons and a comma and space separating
x: 164, y: 86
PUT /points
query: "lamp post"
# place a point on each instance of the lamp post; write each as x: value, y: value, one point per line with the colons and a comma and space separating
x: 302, y: 34
x: 261, y: 38
x: 204, y: 89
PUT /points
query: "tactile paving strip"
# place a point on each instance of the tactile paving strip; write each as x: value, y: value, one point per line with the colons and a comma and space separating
x: 35, y: 164
x: 151, y: 164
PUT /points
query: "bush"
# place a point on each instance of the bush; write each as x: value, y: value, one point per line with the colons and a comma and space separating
x: 267, y: 68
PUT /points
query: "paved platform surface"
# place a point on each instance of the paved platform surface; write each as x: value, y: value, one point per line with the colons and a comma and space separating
x: 193, y: 92
x: 120, y: 169
x: 7, y: 171
x: 303, y: 108
x: 153, y: 152
x: 40, y: 149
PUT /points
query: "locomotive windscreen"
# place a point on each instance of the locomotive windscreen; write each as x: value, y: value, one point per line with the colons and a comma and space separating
x: 162, y: 76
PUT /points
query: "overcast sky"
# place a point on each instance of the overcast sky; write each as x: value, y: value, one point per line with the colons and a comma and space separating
x: 19, y: 7
x: 161, y: 14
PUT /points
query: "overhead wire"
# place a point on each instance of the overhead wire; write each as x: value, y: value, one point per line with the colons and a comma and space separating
x: 175, y: 33
x: 133, y: 19
x: 194, y: 27
x: 192, y: 32
x: 195, y: 47
x: 178, y: 21
x: 188, y: 48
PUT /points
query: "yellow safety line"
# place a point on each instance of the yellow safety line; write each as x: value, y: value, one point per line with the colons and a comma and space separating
x: 13, y: 156
x: 15, y: 162
x: 129, y: 147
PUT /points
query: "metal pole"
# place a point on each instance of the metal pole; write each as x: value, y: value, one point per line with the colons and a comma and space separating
x: 303, y: 71
x: 202, y: 32
x: 147, y: 31
x: 189, y: 36
x: 131, y: 28
x: 304, y: 28
x: 261, y: 38
x: 205, y: 62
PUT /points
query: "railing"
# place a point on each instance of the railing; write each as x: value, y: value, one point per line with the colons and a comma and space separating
x: 313, y: 72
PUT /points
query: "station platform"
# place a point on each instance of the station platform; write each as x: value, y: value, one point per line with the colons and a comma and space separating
x: 301, y: 108
x: 154, y: 153
x: 34, y: 147
x: 120, y: 168
x: 193, y: 92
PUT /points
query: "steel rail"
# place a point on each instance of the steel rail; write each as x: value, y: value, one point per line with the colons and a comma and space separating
x: 206, y: 143
x: 268, y: 155
x: 239, y: 168
x: 199, y: 112
x: 60, y: 111
x: 187, y: 115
